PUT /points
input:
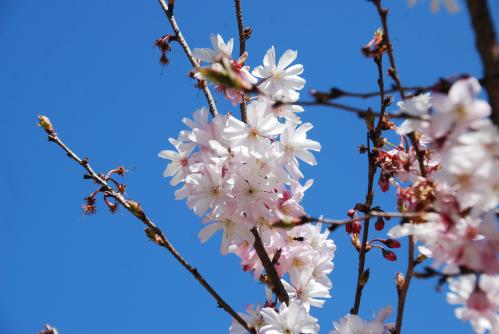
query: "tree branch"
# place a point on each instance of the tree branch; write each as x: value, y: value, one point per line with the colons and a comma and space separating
x: 392, y: 71
x: 486, y: 44
x: 360, y: 112
x: 242, y: 50
x: 180, y: 38
x: 278, y: 288
x: 152, y: 231
x: 402, y: 293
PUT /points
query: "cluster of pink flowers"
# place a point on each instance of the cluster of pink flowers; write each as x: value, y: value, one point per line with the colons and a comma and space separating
x: 244, y: 177
x: 241, y: 178
x: 455, y: 202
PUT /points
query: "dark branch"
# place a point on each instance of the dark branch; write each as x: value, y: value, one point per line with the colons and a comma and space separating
x: 152, y: 231
x: 277, y: 286
x: 486, y: 44
x: 168, y: 10
x: 242, y: 49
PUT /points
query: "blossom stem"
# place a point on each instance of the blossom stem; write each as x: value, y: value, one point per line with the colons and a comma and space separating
x: 242, y: 49
x: 278, y: 288
x: 168, y: 10
x: 159, y: 236
x: 486, y: 44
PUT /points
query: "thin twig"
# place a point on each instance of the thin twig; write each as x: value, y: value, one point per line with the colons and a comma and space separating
x: 152, y: 230
x: 242, y: 49
x: 339, y: 222
x: 360, y: 112
x: 405, y: 287
x: 374, y: 135
x: 383, y: 13
x: 180, y: 38
x: 278, y: 288
x: 336, y: 93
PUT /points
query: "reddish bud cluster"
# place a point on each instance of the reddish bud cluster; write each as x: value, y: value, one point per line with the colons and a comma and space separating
x: 163, y: 44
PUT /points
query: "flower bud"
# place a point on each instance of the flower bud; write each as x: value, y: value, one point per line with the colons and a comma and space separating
x: 389, y: 255
x: 399, y: 281
x: 135, y: 208
x: 391, y: 243
x: 353, y: 227
x: 45, y: 123
x: 380, y: 224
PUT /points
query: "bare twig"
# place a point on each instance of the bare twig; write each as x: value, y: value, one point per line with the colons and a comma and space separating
x: 374, y: 135
x: 405, y: 287
x: 339, y: 222
x: 168, y: 10
x: 336, y: 93
x: 486, y: 44
x: 277, y: 286
x: 360, y: 112
x: 152, y: 231
x: 383, y: 13
x: 242, y: 49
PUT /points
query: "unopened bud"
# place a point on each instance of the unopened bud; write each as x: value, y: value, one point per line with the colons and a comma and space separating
x: 135, y: 208
x: 45, y: 123
x: 391, y: 243
x: 153, y: 236
x: 380, y: 224
x: 389, y: 255
x: 350, y: 213
x: 399, y: 281
x: 353, y: 227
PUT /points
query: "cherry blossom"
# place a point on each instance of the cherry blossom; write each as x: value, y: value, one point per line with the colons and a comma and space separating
x: 480, y: 302
x: 290, y: 320
x: 353, y: 324
x: 277, y: 78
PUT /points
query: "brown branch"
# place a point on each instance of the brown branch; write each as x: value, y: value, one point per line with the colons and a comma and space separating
x: 168, y: 10
x: 392, y: 71
x: 360, y: 112
x: 152, y: 231
x: 486, y: 44
x: 242, y: 49
x: 336, y: 93
x: 339, y: 222
x: 374, y: 135
x: 277, y: 286
x: 402, y: 293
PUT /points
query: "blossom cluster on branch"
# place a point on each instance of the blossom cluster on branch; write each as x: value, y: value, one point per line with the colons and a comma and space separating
x: 457, y: 198
x: 241, y: 176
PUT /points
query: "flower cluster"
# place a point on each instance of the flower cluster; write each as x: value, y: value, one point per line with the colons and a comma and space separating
x: 455, y: 201
x: 352, y: 324
x: 450, y: 5
x: 242, y: 178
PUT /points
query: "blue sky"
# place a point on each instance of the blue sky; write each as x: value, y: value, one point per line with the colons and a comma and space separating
x: 90, y: 66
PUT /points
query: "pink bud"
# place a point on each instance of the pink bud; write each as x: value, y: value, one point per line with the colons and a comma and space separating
x: 353, y: 227
x: 392, y: 243
x: 389, y: 255
x: 350, y: 213
x: 380, y: 224
x: 384, y: 183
